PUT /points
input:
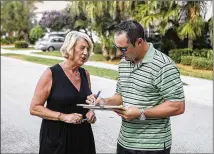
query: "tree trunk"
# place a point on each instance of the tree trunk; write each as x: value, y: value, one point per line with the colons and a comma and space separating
x: 105, y: 52
x: 112, y: 54
x: 190, y: 43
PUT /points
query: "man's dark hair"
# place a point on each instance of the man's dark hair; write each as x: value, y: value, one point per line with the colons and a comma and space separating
x: 132, y: 28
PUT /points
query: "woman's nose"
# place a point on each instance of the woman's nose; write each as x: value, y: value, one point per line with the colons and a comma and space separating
x: 85, y: 51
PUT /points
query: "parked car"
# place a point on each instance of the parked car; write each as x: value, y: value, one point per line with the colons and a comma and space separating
x: 52, y: 34
x: 50, y: 44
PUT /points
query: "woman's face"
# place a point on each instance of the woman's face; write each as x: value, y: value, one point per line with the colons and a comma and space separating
x: 81, y: 50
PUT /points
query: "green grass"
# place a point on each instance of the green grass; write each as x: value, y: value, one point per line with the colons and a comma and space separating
x: 107, y: 73
x: 13, y: 48
x: 53, y: 53
x: 94, y: 57
x: 189, y: 71
x: 97, y: 57
x: 102, y: 72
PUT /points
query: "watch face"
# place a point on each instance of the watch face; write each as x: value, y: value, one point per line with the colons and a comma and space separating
x: 142, y: 116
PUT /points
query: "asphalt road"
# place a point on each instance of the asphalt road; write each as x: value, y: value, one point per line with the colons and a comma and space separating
x: 192, y: 131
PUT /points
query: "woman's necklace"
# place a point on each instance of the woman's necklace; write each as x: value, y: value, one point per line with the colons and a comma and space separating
x: 76, y: 73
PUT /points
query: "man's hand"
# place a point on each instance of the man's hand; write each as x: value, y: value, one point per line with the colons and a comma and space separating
x: 91, y: 118
x: 131, y: 112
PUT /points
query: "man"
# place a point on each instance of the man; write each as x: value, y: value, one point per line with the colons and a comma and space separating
x: 150, y: 87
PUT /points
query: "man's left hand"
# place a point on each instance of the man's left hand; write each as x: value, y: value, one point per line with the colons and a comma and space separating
x: 131, y: 112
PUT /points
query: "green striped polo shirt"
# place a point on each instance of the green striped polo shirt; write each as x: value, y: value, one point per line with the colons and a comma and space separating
x: 145, y: 85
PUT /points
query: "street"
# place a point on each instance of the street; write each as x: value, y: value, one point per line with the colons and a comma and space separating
x: 192, y: 132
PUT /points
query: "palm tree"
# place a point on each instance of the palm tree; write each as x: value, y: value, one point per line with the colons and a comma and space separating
x: 193, y: 22
x: 185, y: 17
x: 101, y: 17
x: 211, y: 30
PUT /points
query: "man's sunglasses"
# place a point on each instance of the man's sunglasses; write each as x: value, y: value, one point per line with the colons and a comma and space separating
x: 123, y: 49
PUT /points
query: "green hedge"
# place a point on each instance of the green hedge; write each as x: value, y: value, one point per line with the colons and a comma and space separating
x: 186, y: 60
x: 97, y: 48
x: 8, y: 40
x: 21, y: 44
x: 202, y: 63
x: 176, y: 54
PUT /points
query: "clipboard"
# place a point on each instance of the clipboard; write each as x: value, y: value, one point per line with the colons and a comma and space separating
x: 101, y: 107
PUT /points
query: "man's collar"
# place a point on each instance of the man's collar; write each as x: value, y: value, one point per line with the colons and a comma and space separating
x: 149, y: 54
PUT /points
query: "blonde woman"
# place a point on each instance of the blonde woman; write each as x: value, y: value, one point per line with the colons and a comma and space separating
x: 65, y: 127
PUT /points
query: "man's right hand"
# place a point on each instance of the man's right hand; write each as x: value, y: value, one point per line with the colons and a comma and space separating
x: 92, y: 100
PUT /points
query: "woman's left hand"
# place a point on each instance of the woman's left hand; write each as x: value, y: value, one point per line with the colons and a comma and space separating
x: 91, y: 118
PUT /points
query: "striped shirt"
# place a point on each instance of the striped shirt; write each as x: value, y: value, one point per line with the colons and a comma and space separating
x: 145, y: 85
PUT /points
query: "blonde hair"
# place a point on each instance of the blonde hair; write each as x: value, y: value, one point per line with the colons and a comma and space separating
x: 67, y: 49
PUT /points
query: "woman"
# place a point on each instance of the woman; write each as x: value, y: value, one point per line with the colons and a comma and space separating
x: 65, y: 127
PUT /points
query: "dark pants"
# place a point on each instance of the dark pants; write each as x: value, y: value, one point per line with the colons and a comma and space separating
x: 122, y: 150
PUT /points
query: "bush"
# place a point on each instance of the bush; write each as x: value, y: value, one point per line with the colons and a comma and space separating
x: 97, y: 48
x: 176, y: 54
x: 21, y: 44
x: 202, y: 63
x: 4, y: 41
x: 8, y: 40
x: 36, y: 33
x: 200, y: 53
x: 186, y: 60
x: 210, y: 54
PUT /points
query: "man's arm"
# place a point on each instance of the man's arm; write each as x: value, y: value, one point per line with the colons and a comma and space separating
x: 165, y: 109
x: 114, y: 100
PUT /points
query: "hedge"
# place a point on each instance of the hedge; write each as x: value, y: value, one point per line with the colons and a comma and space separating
x: 97, y: 48
x: 202, y: 63
x: 176, y: 54
x: 21, y: 44
x: 186, y: 60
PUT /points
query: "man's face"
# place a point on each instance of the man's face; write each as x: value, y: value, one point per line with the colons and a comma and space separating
x: 122, y: 44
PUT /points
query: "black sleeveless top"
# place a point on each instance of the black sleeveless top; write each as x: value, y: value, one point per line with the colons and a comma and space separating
x: 57, y: 137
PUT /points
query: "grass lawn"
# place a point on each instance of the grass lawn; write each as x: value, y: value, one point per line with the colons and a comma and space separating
x: 102, y: 72
x: 47, y: 53
x: 189, y: 71
x: 111, y: 74
x: 13, y: 48
x: 94, y: 57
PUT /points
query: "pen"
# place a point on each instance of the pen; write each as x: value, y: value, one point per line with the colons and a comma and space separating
x: 97, y: 95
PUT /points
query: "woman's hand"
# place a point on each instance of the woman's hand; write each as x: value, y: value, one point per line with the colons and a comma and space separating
x: 73, y: 118
x: 91, y: 118
x: 91, y: 99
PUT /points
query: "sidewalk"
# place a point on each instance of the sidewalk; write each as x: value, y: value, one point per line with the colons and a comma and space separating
x: 198, y: 90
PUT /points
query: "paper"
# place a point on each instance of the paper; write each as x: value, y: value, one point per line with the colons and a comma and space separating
x: 102, y: 107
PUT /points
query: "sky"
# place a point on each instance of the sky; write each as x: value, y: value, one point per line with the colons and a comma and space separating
x: 49, y: 6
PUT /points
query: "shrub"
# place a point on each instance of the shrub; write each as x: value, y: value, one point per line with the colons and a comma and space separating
x: 200, y: 53
x: 4, y: 41
x: 186, y: 60
x: 202, y: 63
x: 97, y: 48
x: 21, y: 44
x: 8, y: 40
x: 176, y: 54
x: 36, y: 33
x: 210, y: 54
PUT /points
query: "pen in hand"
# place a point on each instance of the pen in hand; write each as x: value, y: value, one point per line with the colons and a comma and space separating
x: 97, y: 95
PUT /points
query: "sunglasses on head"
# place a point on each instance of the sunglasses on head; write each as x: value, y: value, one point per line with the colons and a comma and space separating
x: 123, y: 49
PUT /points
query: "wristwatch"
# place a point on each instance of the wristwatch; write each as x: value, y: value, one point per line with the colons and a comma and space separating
x: 142, y: 116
